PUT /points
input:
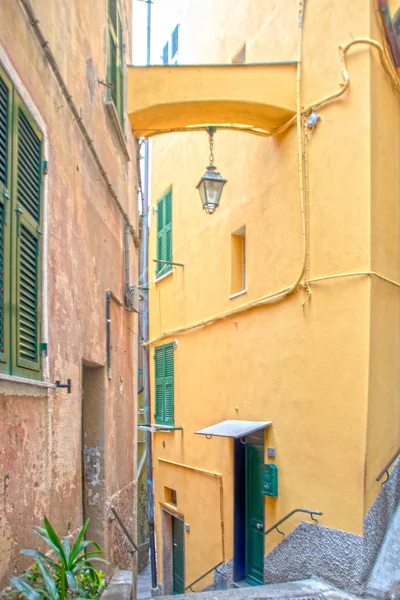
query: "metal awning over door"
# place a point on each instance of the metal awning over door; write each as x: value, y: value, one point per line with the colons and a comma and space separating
x: 234, y: 429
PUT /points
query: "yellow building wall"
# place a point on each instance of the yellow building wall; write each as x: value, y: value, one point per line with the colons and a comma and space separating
x: 383, y: 433
x: 305, y: 368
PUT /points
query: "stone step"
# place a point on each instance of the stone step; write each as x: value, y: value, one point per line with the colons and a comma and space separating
x: 307, y: 589
x: 386, y: 570
x: 120, y: 587
x: 240, y: 584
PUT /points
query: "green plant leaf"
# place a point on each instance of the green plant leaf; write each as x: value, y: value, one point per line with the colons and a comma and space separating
x: 92, y: 555
x: 66, y: 548
x: 80, y: 556
x: 75, y: 550
x: 88, y: 570
x: 98, y: 548
x: 41, y: 529
x: 54, y: 539
x: 81, y: 547
x: 40, y: 555
x: 27, y: 590
x: 86, y: 564
x: 85, y: 556
x: 50, y: 543
x: 48, y: 581
x: 71, y: 581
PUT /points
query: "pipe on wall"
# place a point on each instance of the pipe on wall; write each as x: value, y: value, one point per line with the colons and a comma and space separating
x: 77, y: 117
x: 145, y: 333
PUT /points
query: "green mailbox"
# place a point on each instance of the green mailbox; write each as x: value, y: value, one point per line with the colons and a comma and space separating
x: 270, y: 480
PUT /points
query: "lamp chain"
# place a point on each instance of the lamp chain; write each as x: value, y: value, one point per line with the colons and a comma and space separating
x: 211, y: 158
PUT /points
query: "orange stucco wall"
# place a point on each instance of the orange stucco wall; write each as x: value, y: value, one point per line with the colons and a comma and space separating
x: 41, y: 429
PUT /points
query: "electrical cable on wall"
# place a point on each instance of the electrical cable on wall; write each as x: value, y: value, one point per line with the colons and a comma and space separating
x: 302, y: 137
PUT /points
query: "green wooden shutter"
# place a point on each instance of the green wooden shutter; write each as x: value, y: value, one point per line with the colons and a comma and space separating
x: 5, y: 240
x: 168, y: 227
x: 160, y: 384
x: 164, y: 233
x: 164, y: 393
x: 120, y: 72
x: 27, y: 202
x: 115, y: 68
x: 112, y: 13
x: 160, y: 237
x: 169, y: 385
x: 113, y: 75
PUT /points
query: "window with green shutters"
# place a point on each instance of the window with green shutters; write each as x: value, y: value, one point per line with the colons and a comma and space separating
x: 20, y: 214
x: 164, y: 388
x: 164, y: 233
x: 115, y: 59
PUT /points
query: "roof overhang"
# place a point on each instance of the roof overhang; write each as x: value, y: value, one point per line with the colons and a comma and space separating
x: 234, y: 429
x: 258, y: 98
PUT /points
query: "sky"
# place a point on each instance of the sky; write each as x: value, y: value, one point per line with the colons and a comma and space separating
x: 164, y: 19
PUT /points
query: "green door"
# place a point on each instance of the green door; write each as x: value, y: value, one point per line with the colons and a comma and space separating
x: 254, y: 563
x: 178, y: 557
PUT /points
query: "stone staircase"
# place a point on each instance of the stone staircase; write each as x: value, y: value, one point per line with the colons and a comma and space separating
x: 308, y: 589
x: 318, y: 563
x: 349, y: 565
x: 386, y: 570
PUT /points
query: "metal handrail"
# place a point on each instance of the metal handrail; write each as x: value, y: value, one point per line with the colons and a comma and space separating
x: 302, y: 510
x: 121, y: 524
x: 387, y: 467
x: 189, y: 587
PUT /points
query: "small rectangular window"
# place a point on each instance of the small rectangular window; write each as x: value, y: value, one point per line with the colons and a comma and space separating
x: 238, y: 261
x: 170, y: 495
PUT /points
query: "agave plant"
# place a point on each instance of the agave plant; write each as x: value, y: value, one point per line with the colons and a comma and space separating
x: 67, y: 570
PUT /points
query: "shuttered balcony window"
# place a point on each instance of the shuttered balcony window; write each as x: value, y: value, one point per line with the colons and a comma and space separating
x: 115, y: 70
x: 164, y: 385
x: 20, y: 215
x: 164, y: 234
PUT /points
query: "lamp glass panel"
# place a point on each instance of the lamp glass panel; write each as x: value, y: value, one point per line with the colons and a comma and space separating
x: 213, y: 191
x: 202, y: 192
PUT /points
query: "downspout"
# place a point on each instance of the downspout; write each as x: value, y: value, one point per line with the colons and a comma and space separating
x: 144, y: 316
x: 127, y: 259
x: 108, y: 333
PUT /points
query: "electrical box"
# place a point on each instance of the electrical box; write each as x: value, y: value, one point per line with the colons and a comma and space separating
x: 270, y: 480
x: 132, y: 297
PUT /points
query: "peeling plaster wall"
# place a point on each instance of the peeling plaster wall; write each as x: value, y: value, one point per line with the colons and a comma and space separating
x: 40, y: 429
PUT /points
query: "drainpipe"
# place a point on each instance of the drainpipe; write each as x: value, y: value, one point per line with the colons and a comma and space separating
x: 108, y: 333
x: 144, y: 317
x: 127, y: 259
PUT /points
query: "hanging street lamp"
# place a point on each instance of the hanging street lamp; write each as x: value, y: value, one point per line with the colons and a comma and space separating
x: 211, y: 184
